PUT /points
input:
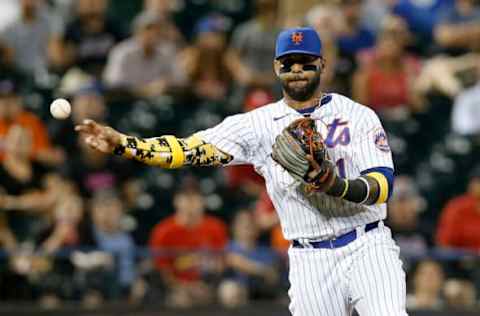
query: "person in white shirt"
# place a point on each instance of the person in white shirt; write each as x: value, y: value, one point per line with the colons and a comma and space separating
x: 144, y: 64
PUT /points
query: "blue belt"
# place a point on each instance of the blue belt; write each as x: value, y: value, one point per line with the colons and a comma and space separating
x: 338, y: 242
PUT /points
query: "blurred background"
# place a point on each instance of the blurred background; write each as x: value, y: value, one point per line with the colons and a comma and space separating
x: 81, y: 231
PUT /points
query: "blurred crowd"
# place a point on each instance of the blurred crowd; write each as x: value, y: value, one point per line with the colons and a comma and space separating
x: 77, y: 225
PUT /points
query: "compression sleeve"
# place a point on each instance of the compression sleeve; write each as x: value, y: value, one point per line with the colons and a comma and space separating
x: 374, y: 186
x: 170, y: 152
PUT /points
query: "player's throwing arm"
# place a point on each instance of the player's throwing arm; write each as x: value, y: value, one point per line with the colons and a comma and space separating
x: 164, y: 151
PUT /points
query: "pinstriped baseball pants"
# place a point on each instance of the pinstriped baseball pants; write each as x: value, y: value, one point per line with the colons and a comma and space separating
x: 365, y: 275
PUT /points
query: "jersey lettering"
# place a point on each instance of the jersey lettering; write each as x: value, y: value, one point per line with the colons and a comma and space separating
x: 340, y: 138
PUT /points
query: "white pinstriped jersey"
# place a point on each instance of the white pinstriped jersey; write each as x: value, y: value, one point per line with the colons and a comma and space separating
x: 355, y: 142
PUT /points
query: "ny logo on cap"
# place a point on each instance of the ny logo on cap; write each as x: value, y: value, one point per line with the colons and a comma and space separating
x: 297, y: 38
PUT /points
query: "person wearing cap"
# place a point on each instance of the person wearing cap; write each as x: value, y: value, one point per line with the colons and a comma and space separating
x: 460, y: 218
x: 205, y: 61
x: 145, y: 64
x: 342, y: 255
x: 409, y: 229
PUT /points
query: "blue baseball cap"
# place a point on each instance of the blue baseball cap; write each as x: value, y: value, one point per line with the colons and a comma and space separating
x: 299, y: 40
x: 212, y: 23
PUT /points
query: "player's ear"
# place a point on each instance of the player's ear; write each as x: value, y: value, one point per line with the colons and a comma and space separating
x: 277, y: 65
x: 322, y: 64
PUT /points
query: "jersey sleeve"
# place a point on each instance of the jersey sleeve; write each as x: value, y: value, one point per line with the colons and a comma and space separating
x: 234, y: 136
x: 372, y: 149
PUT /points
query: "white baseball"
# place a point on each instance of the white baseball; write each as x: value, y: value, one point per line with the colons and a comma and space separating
x: 60, y: 109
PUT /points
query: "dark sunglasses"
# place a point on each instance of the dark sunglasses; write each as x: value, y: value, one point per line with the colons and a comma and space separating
x: 304, y: 60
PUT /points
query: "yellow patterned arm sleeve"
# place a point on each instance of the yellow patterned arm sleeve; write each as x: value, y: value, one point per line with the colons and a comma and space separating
x: 170, y: 152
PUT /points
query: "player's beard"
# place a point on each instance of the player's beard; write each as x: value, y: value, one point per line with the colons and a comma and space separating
x: 302, y: 93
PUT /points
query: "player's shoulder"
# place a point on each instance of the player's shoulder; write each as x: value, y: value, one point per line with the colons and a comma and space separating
x: 347, y: 102
x: 270, y: 109
x: 351, y: 107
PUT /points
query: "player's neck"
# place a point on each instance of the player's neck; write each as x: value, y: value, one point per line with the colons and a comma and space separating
x: 299, y: 105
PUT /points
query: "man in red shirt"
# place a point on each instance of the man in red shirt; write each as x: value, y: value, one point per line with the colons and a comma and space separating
x: 460, y: 220
x: 183, y: 244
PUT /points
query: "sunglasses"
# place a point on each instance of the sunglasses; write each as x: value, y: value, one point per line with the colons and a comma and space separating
x: 304, y: 60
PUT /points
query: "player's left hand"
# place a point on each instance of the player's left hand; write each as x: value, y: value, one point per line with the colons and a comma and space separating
x: 301, y: 151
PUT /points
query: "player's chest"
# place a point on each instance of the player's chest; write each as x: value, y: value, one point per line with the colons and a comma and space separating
x: 336, y: 130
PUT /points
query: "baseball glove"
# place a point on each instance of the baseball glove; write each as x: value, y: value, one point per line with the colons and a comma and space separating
x: 301, y: 151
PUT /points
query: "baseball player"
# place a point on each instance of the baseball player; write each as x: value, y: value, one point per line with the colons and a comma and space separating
x: 328, y: 170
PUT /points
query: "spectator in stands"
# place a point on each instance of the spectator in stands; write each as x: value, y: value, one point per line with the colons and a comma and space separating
x: 164, y: 10
x: 56, y: 284
x: 252, y: 267
x: 422, y: 17
x: 88, y: 102
x: 465, y: 111
x: 29, y: 36
x: 145, y: 64
x: 96, y: 171
x: 87, y: 39
x: 459, y: 29
x: 205, y: 62
x: 404, y: 208
x: 63, y: 230
x: 267, y: 220
x: 106, y: 233
x: 328, y: 20
x: 8, y: 241
x: 460, y: 219
x: 265, y: 214
x: 373, y: 13
x: 352, y: 37
x: 184, y: 247
x: 12, y: 113
x: 446, y: 75
x: 279, y: 243
x: 8, y: 244
x: 252, y: 47
x: 460, y: 294
x: 23, y: 266
x: 7, y: 63
x: 30, y: 196
x: 25, y: 187
x: 386, y: 76
x: 428, y: 282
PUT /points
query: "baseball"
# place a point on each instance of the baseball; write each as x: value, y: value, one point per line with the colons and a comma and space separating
x: 60, y: 109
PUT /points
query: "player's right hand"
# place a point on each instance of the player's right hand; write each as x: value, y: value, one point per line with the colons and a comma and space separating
x: 100, y: 137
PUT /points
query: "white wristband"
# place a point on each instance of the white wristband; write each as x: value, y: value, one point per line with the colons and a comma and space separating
x: 368, y: 189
